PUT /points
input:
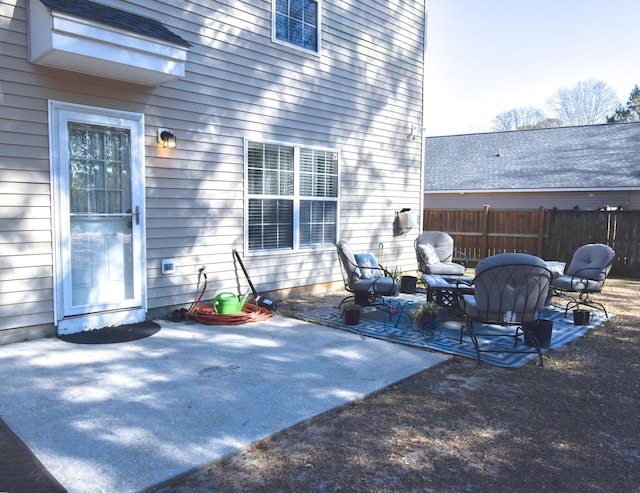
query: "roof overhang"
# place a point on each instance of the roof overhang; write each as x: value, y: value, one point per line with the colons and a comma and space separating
x: 532, y: 190
x: 61, y: 40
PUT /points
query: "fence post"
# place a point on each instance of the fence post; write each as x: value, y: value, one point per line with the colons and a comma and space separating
x: 541, y: 232
x: 485, y: 231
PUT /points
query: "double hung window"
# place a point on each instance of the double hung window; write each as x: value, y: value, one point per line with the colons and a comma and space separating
x: 297, y: 22
x: 292, y: 197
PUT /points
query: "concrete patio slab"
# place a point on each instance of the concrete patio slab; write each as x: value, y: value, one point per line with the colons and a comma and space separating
x: 123, y: 417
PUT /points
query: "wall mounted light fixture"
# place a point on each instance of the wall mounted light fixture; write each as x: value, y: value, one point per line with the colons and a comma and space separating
x: 414, y: 130
x: 405, y: 221
x: 166, y: 138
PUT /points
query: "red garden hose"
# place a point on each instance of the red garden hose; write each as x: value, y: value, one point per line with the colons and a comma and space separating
x: 206, y: 315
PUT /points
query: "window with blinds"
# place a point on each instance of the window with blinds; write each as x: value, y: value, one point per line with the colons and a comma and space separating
x: 292, y: 197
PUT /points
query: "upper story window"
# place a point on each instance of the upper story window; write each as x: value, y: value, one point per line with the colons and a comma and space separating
x: 297, y: 22
x: 292, y: 197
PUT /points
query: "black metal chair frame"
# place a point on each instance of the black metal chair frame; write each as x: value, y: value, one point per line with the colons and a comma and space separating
x: 454, y: 256
x: 370, y: 297
x: 582, y: 298
x: 534, y: 291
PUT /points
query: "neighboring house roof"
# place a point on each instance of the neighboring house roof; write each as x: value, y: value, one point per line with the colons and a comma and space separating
x: 115, y: 17
x: 594, y: 157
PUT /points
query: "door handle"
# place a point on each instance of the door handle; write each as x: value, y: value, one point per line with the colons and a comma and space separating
x: 135, y: 214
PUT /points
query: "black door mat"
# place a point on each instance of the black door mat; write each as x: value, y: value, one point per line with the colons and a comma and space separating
x: 20, y: 469
x: 112, y: 335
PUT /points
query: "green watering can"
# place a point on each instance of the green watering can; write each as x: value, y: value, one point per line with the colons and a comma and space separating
x: 228, y: 303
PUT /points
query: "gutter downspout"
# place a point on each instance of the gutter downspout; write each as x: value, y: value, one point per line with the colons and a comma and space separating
x: 423, y: 122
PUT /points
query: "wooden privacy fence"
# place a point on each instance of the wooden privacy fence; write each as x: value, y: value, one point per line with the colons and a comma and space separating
x: 547, y: 233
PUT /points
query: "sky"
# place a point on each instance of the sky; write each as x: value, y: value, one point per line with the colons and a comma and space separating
x: 487, y: 57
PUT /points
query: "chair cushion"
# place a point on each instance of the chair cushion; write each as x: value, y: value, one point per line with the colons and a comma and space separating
x: 592, y: 261
x: 510, y: 288
x: 467, y: 303
x: 578, y: 284
x: 369, y: 268
x: 384, y: 286
x: 442, y: 243
x: 429, y: 254
x: 348, y: 261
x: 509, y: 259
x: 445, y: 268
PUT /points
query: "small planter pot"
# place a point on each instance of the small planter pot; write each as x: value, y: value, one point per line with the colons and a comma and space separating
x: 408, y: 284
x: 541, y: 330
x: 361, y: 299
x: 581, y: 317
x: 352, y: 317
x: 427, y: 322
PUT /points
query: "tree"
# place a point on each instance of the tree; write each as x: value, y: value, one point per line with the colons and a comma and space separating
x: 587, y: 103
x: 629, y: 114
x: 550, y: 123
x: 518, y: 119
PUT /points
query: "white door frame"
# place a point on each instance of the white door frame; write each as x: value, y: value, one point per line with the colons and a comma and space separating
x: 134, y: 311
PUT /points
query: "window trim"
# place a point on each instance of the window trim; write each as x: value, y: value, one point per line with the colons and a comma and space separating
x: 297, y: 198
x: 274, y: 38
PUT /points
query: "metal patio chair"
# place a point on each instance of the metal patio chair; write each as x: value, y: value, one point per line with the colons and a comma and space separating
x: 510, y: 290
x: 435, y: 254
x: 586, y: 274
x: 364, y: 277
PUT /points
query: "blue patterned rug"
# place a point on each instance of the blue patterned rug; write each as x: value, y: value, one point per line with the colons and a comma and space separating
x: 445, y: 335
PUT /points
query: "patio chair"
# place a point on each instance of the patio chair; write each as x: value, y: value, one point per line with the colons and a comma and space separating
x: 510, y: 290
x: 364, y: 277
x: 586, y: 274
x: 435, y: 254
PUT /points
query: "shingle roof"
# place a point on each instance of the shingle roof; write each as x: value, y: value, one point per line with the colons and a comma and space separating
x: 115, y: 17
x: 588, y: 157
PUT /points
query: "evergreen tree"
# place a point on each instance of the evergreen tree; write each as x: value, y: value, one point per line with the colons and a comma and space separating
x: 630, y: 113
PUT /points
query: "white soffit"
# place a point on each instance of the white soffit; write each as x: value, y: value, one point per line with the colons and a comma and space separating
x: 70, y: 42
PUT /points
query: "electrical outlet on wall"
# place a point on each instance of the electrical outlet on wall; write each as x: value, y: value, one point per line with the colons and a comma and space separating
x: 168, y: 266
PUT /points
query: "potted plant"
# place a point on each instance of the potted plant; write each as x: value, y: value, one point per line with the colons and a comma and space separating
x: 425, y: 314
x: 395, y: 274
x: 351, y: 313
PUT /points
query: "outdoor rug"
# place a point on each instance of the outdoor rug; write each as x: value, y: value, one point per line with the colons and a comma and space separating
x: 20, y: 469
x: 113, y: 335
x: 445, y: 336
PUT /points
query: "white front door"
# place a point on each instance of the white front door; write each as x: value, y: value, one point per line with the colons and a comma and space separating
x: 97, y: 162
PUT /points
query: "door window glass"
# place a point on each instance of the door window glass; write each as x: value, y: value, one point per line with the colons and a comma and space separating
x: 99, y: 169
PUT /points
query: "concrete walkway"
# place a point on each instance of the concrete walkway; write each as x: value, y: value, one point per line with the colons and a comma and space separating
x: 123, y: 417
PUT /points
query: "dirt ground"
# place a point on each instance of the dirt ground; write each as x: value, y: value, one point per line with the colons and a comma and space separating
x: 572, y: 425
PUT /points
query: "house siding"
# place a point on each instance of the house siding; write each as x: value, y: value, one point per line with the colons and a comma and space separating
x: 358, y: 96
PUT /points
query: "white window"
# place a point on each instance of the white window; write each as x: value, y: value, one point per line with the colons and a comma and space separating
x: 297, y: 22
x: 292, y: 197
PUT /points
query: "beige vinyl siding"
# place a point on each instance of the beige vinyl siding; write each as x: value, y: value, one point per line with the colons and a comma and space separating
x: 359, y: 95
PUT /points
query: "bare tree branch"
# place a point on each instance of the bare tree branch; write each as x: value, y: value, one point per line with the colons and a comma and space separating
x: 587, y: 103
x: 518, y: 119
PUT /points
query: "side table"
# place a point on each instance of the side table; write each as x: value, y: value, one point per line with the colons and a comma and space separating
x: 444, y: 290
